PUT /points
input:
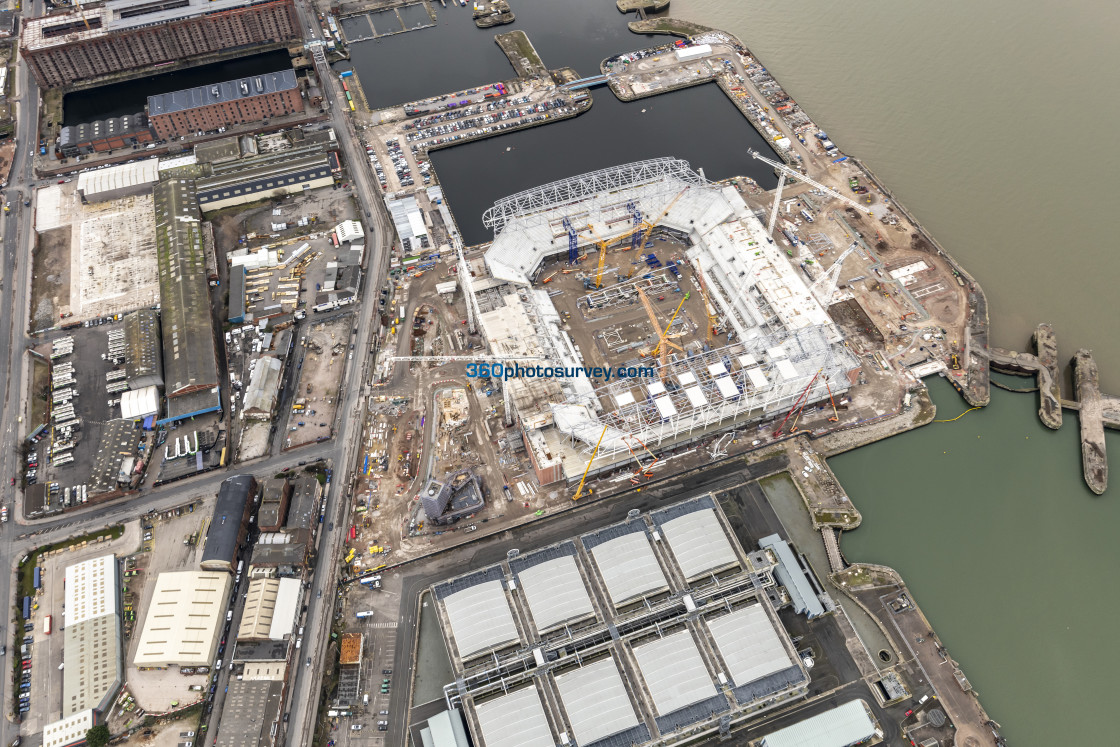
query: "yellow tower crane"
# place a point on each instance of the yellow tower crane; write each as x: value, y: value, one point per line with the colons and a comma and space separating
x: 663, y: 343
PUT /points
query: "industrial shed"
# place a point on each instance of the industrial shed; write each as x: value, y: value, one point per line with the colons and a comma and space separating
x: 679, y: 683
x: 553, y: 587
x: 598, y: 705
x: 515, y: 720
x: 626, y: 562
x: 697, y: 538
x: 478, y: 614
x: 843, y: 726
x: 652, y: 660
x: 183, y: 620
x: 230, y: 523
x: 102, y: 185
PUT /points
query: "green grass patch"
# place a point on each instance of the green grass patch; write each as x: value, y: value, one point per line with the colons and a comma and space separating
x: 40, y: 391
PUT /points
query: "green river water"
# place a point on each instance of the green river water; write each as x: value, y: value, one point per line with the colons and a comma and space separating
x: 1008, y: 553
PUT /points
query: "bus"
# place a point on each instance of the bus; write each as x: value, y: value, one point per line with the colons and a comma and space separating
x: 47, y: 625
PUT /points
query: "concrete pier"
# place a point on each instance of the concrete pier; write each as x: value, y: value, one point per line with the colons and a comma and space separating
x: 1049, y: 384
x: 1093, y: 458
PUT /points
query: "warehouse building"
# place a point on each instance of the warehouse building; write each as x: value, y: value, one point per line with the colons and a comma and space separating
x: 230, y: 523
x: 685, y: 641
x: 102, y: 185
x: 843, y: 726
x: 250, y: 713
x: 792, y: 575
x: 271, y: 608
x: 184, y: 620
x: 124, y: 35
x: 231, y: 102
x: 104, y: 135
x: 71, y: 731
x: 276, y: 493
x: 91, y: 637
x: 190, y: 364
x: 143, y: 362
x: 241, y: 186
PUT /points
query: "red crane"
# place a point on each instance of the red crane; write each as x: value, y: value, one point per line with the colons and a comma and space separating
x: 795, y: 404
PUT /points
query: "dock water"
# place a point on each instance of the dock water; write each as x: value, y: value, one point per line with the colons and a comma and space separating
x: 1096, y: 411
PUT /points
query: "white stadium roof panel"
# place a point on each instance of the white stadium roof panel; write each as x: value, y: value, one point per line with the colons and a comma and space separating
x: 749, y: 644
x: 555, y: 592
x: 786, y: 369
x: 515, y: 720
x: 665, y: 406
x: 776, y: 352
x: 699, y: 543
x: 686, y: 378
x: 717, y: 369
x: 674, y: 672
x: 629, y: 568
x: 596, y: 701
x: 727, y: 387
x: 623, y: 399
x: 655, y: 389
x: 696, y: 396
x: 758, y: 379
x: 480, y: 618
x: 746, y: 361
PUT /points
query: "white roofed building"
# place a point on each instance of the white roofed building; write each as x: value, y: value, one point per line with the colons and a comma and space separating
x: 636, y: 651
x: 91, y: 636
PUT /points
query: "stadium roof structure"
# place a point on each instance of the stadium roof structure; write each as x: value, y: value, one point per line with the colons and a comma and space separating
x: 748, y: 281
x: 626, y: 562
x: 479, y: 615
x: 696, y: 537
x: 615, y: 665
x: 676, y: 676
x: 842, y: 726
x: 553, y: 586
x: 515, y: 720
x: 597, y: 704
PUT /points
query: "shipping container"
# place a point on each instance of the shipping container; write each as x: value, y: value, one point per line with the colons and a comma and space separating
x: 37, y: 581
x: 27, y: 608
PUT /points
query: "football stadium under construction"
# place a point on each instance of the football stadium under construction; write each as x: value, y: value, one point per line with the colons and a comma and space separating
x: 657, y: 629
x: 648, y: 265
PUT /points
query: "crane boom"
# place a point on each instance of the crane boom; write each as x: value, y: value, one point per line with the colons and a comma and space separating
x: 464, y: 358
x: 824, y: 286
x: 579, y: 490
x: 793, y: 173
x: 777, y: 201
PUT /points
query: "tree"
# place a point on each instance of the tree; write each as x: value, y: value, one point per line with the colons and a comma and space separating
x: 98, y: 736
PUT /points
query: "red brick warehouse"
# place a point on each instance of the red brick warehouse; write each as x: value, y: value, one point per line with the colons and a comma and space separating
x: 231, y: 102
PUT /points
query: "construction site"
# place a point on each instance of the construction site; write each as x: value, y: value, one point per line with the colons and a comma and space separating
x: 649, y: 265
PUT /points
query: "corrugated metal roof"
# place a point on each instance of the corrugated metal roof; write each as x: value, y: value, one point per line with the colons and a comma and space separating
x: 674, y: 672
x: 596, y: 701
x: 515, y: 720
x: 842, y: 726
x: 93, y: 183
x: 749, y: 645
x: 698, y: 542
x: 555, y: 592
x: 480, y: 618
x: 629, y: 568
x: 790, y: 575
